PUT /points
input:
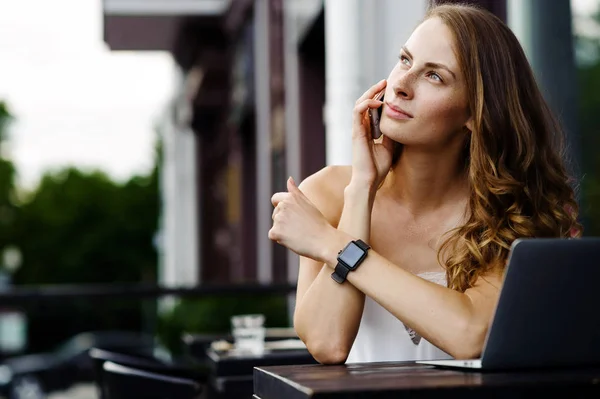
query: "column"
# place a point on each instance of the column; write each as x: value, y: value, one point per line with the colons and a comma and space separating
x: 263, y: 141
x: 545, y: 32
x: 343, y: 76
x: 292, y: 117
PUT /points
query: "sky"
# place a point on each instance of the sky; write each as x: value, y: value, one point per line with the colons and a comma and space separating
x: 75, y: 101
x: 583, y: 6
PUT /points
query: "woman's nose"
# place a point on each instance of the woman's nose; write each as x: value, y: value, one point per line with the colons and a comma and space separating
x: 403, y: 87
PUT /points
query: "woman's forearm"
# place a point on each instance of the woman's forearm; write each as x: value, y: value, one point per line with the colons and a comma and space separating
x: 455, y: 322
x: 446, y: 318
x: 328, y: 316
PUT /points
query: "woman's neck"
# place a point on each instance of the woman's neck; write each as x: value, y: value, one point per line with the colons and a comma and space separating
x: 423, y: 181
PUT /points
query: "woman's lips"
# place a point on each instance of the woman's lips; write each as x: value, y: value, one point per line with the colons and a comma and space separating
x: 396, y: 112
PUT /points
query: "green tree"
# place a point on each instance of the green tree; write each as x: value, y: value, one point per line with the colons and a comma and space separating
x: 8, y: 209
x: 79, y: 227
x: 5, y: 118
x: 82, y: 227
x: 589, y: 86
x: 588, y: 56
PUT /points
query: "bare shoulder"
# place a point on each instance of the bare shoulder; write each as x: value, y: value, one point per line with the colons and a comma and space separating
x: 325, y: 189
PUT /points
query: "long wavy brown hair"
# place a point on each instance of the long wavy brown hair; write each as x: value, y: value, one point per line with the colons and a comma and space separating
x: 514, y: 158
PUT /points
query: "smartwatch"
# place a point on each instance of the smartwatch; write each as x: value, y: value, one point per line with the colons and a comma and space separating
x: 349, y: 259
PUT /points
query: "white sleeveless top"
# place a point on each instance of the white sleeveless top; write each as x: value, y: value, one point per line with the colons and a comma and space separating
x: 382, y: 337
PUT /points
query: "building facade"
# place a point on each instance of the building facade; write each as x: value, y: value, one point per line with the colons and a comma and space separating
x: 266, y: 89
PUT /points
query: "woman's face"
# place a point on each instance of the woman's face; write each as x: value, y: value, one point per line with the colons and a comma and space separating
x: 425, y: 98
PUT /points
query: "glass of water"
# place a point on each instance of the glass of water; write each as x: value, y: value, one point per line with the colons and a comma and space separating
x: 249, y: 333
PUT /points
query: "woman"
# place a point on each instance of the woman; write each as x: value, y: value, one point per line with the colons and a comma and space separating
x: 469, y: 161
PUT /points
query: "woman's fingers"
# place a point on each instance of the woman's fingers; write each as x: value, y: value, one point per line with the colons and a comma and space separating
x: 372, y: 91
x: 294, y: 189
x: 291, y: 185
x: 278, y: 197
x: 366, y: 104
x: 359, y: 115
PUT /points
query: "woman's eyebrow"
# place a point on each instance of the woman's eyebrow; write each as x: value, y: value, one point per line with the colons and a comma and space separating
x: 431, y: 64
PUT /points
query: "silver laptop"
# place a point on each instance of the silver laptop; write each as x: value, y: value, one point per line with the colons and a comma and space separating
x: 548, y: 312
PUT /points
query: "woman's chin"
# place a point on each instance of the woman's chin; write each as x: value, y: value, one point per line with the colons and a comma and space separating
x: 393, y: 132
x: 394, y: 136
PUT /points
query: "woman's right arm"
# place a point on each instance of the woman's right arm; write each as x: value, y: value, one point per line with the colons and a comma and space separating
x: 327, y: 314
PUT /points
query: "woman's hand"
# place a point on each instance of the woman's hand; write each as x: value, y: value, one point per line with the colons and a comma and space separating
x: 298, y: 224
x: 371, y: 161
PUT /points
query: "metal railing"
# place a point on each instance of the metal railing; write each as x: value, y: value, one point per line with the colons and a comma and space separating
x: 17, y: 295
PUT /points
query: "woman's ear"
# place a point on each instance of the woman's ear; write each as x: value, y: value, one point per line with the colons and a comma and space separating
x: 469, y: 125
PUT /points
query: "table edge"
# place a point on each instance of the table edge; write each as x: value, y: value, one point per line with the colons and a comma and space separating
x: 305, y: 390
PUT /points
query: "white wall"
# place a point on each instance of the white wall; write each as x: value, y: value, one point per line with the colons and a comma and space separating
x: 264, y: 263
x: 298, y: 17
x: 362, y: 42
x: 179, y: 260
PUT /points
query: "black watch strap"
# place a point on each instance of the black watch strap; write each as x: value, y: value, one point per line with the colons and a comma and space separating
x: 341, y: 270
x: 362, y: 245
x: 340, y: 273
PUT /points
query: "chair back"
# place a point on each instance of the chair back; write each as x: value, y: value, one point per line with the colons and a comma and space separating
x: 145, y: 363
x: 124, y: 382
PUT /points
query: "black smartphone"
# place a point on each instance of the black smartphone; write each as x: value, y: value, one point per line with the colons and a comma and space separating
x: 375, y: 116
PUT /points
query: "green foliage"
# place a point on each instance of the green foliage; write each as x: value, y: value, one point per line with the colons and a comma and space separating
x: 5, y: 119
x: 591, y: 192
x: 8, y: 210
x: 82, y: 227
x: 79, y: 227
x: 589, y: 119
x: 212, y: 315
x: 589, y: 124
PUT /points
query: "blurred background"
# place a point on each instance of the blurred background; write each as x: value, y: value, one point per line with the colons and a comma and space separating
x: 141, y: 141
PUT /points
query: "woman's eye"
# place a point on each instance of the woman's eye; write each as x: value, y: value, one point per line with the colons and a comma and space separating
x: 435, y: 76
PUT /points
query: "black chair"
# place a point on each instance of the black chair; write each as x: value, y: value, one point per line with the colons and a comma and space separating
x: 140, y: 362
x: 123, y: 382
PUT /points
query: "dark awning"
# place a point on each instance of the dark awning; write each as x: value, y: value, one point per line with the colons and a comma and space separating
x: 152, y: 24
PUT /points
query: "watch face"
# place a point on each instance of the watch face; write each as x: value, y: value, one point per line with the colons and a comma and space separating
x: 351, y: 255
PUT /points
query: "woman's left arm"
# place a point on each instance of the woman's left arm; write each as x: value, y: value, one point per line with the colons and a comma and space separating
x: 455, y: 322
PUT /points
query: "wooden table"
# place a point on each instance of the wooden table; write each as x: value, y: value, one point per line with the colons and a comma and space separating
x: 231, y: 374
x: 411, y: 380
